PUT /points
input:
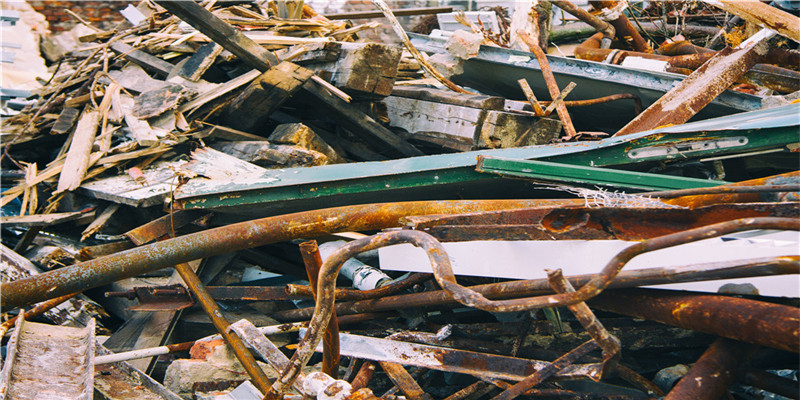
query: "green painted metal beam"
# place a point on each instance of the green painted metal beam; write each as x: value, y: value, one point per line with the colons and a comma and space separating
x: 582, y: 175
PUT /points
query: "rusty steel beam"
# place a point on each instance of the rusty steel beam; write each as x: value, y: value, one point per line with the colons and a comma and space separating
x: 758, y: 322
x: 330, y: 343
x: 259, y: 232
x: 702, y: 86
x: 626, y: 279
x: 625, y: 31
x: 714, y: 371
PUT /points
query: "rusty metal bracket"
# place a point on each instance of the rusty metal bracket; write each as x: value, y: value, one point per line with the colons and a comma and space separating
x: 157, y: 298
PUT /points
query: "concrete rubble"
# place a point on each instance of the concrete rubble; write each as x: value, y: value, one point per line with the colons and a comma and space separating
x: 284, y: 199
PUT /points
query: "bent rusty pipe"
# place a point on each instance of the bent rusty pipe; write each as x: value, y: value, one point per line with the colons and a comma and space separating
x: 606, y: 29
x: 714, y: 371
x: 235, y: 237
x: 324, y: 308
x: 625, y: 31
x: 637, y: 102
x: 330, y: 343
x: 351, y: 294
x: 444, y: 274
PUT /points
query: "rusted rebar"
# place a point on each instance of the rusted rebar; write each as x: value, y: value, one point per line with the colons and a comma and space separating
x: 608, y: 342
x: 713, y: 372
x: 214, y: 313
x: 330, y: 342
x: 624, y: 31
x: 226, y: 239
x: 602, y: 26
x: 541, y: 375
x: 404, y: 381
x: 549, y: 80
x: 364, y: 375
x: 643, y: 277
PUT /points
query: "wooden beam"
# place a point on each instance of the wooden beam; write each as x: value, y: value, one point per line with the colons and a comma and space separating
x: 77, y: 162
x: 225, y: 35
x: 762, y: 15
x: 144, y: 60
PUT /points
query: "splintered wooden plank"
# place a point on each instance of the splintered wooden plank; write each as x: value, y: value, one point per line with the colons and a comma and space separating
x: 152, y: 190
x: 143, y: 59
x: 200, y: 61
x: 77, y: 162
x: 252, y: 108
x: 40, y: 219
x: 66, y: 120
x: 64, y: 355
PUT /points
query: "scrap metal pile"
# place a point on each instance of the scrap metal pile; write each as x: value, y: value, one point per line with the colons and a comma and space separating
x: 245, y: 200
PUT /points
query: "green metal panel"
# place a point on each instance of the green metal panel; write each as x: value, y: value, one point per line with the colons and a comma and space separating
x: 576, y: 174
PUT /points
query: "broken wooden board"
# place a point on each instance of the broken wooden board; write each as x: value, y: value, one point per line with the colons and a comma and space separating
x: 40, y: 219
x: 450, y: 119
x: 145, y: 60
x: 77, y: 162
x: 155, y: 102
x: 121, y: 381
x: 266, y: 154
x: 66, y: 120
x: 314, y: 53
x: 301, y: 135
x: 159, y: 181
x: 214, y: 165
x: 134, y: 78
x: 199, y: 62
x: 139, y: 129
x: 251, y: 109
x: 62, y: 354
x: 363, y: 70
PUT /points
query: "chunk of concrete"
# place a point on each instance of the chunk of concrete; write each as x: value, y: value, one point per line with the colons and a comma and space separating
x: 446, y: 64
x: 301, y: 135
x: 463, y: 44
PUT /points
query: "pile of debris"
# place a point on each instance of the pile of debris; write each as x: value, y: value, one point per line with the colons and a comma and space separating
x: 257, y: 162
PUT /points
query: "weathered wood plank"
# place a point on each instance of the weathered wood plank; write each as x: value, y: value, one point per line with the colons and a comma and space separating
x: 365, y: 70
x: 143, y: 59
x: 77, y: 161
x: 199, y: 62
x: 40, y: 219
x: 66, y: 120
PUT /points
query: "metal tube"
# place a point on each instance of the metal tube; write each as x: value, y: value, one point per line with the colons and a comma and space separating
x: 350, y: 294
x: 624, y: 30
x: 211, y: 308
x: 714, y: 371
x: 772, y: 383
x: 642, y: 277
x: 602, y: 26
x: 541, y: 375
x: 364, y: 375
x: 235, y: 237
x: 758, y: 322
x: 330, y: 342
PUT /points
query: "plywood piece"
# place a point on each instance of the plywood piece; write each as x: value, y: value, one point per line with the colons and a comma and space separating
x: 159, y: 180
x: 40, y: 219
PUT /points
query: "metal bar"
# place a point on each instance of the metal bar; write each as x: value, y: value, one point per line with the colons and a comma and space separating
x: 364, y: 375
x: 219, y: 31
x: 602, y: 26
x: 772, y: 383
x: 134, y: 262
x: 330, y: 342
x: 549, y: 80
x: 215, y: 314
x: 626, y: 279
x: 671, y: 194
x: 624, y: 30
x: 526, y: 89
x: 560, y: 99
x: 578, y: 174
x: 766, y: 324
x: 702, y: 86
x: 714, y: 371
x: 482, y: 365
x: 264, y: 347
x: 350, y: 294
x: 540, y: 376
x: 608, y: 342
x: 404, y: 381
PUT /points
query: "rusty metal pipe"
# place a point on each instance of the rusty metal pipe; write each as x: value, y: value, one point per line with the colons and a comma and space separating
x: 772, y: 383
x: 758, y: 322
x: 259, y: 232
x: 714, y: 371
x: 351, y: 294
x: 637, y: 102
x: 330, y: 342
x: 470, y: 298
x: 364, y: 375
x: 324, y: 307
x: 626, y: 279
x: 214, y: 313
x: 602, y: 26
x: 624, y: 30
x: 672, y: 194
